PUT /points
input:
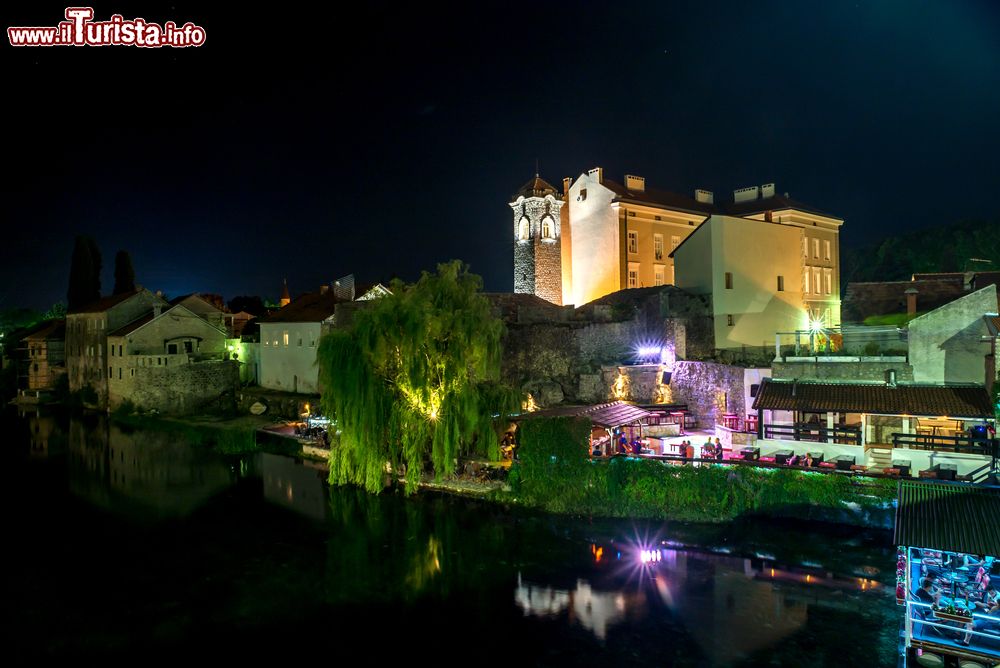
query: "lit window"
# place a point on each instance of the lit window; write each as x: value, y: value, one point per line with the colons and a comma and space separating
x: 547, y: 231
x: 805, y: 247
x: 729, y: 280
x: 582, y: 196
x: 817, y: 286
x: 816, y: 248
x: 658, y: 274
x: 633, y: 242
x: 633, y: 275
x: 523, y: 229
x: 658, y: 246
x: 826, y: 250
x: 828, y: 278
x: 805, y: 280
x: 674, y: 242
x: 781, y: 283
x: 284, y: 338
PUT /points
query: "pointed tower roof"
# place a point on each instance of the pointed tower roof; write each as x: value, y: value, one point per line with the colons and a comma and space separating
x: 536, y: 187
x: 285, y: 298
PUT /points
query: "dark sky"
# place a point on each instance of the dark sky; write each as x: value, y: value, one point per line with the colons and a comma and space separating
x: 309, y: 144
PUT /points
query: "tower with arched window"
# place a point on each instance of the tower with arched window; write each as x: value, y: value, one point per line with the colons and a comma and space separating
x: 538, y: 240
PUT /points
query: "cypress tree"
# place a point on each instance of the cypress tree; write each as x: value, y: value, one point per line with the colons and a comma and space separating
x: 124, y: 273
x: 84, y: 274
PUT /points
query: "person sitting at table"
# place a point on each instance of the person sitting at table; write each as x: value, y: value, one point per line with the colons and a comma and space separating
x: 708, y: 449
x: 990, y: 601
x: 718, y: 449
x: 689, y: 453
x: 682, y: 450
x: 808, y: 461
x: 792, y: 461
x: 926, y: 592
x: 957, y: 561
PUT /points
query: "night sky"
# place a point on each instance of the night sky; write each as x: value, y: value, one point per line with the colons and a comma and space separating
x: 382, y: 141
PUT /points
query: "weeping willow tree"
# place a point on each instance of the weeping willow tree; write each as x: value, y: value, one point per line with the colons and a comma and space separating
x: 415, y: 381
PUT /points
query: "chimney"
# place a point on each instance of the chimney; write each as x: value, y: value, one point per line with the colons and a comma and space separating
x: 567, y: 184
x: 598, y: 173
x: 767, y: 190
x: 911, y: 300
x: 635, y: 183
x: 746, y: 194
x: 890, y: 378
x: 704, y: 196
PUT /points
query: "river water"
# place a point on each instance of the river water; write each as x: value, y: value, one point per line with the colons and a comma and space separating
x: 129, y: 546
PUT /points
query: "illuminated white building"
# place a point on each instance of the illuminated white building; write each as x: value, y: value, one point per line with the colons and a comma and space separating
x: 606, y: 236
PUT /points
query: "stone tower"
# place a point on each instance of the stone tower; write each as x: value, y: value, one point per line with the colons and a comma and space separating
x: 538, y: 240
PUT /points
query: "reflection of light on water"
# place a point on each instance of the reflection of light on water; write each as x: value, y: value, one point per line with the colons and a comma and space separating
x: 595, y: 611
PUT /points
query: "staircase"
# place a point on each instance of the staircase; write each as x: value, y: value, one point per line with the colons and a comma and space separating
x: 878, y: 456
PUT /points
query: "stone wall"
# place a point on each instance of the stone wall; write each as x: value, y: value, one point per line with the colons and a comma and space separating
x: 946, y: 344
x: 842, y: 369
x: 538, y: 261
x: 709, y: 390
x: 179, y: 388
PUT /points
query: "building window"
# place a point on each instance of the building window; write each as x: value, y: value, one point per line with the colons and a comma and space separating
x: 729, y: 320
x: 132, y: 372
x: 119, y: 350
x: 729, y: 280
x: 658, y: 274
x: 633, y: 275
x: 781, y: 283
x: 171, y: 348
x: 674, y: 243
x: 658, y: 246
x: 816, y: 248
x: 119, y: 373
x: 109, y: 372
x: 312, y: 343
x: 805, y: 280
x: 805, y: 247
x: 633, y: 242
x: 523, y: 229
x: 188, y: 347
x: 817, y: 286
x: 547, y: 231
x: 828, y: 278
x: 112, y: 351
x: 826, y: 250
x: 300, y: 342
x: 284, y: 338
x: 582, y: 196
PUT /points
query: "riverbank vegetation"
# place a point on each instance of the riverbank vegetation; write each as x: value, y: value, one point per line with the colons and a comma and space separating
x: 227, y: 437
x: 414, y: 381
x: 554, y: 473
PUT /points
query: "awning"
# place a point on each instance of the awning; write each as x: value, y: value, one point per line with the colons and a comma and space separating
x: 956, y: 401
x: 615, y: 414
x: 949, y: 517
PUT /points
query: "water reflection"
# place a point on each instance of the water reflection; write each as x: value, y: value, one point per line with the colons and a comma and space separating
x: 141, y: 473
x: 294, y: 484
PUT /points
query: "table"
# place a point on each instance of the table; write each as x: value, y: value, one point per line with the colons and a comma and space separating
x: 782, y: 456
x: 731, y: 421
x: 750, y: 453
x: 903, y: 465
x: 817, y: 457
x: 844, y: 462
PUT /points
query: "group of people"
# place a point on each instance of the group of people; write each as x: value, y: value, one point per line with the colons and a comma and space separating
x: 979, y: 595
x: 709, y: 450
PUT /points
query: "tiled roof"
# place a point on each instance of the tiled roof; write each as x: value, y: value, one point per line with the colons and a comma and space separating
x: 132, y: 326
x: 773, y: 203
x: 310, y: 307
x: 957, y: 401
x: 104, y: 303
x: 656, y: 197
x: 614, y: 414
x: 949, y: 517
x: 536, y: 187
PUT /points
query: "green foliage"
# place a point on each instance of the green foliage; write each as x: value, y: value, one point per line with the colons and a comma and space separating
x: 55, y: 312
x: 414, y: 381
x: 554, y: 473
x: 894, y: 319
x: 933, y: 249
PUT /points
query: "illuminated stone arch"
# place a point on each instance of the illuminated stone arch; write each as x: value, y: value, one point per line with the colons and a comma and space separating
x: 523, y: 229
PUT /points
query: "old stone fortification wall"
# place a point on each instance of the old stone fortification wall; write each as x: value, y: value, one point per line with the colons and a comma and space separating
x: 181, y: 389
x: 842, y: 368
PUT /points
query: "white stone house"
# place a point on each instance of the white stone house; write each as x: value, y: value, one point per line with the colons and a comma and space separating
x: 289, y: 339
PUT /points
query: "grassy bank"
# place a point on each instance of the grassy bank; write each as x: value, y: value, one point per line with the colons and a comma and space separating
x: 554, y: 474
